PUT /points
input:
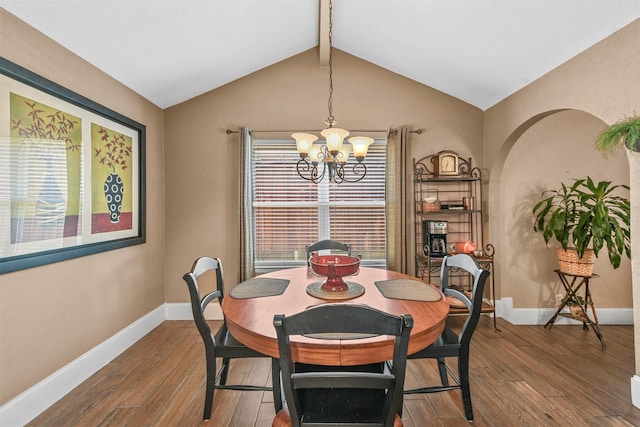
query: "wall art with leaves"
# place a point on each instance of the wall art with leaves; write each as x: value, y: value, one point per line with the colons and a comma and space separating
x: 72, y: 173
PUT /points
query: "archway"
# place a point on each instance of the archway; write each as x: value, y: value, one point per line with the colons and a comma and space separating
x: 549, y: 148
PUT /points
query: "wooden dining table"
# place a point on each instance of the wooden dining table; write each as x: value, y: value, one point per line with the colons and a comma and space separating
x: 250, y: 317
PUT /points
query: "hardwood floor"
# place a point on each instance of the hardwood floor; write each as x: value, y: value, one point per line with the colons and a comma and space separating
x: 522, y: 376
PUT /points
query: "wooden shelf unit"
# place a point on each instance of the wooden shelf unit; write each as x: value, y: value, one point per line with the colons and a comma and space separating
x: 465, y: 222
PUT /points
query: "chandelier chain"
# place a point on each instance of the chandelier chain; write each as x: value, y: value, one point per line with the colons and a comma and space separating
x: 331, y: 120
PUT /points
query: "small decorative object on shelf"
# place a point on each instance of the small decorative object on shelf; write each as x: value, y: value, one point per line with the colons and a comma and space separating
x: 445, y: 163
x: 465, y: 247
x: 430, y: 201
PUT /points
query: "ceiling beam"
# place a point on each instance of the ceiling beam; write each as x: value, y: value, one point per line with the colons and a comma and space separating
x: 323, y: 33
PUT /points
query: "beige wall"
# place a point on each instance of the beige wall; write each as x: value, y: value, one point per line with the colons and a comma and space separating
x: 201, y: 177
x: 543, y: 157
x: 50, y: 315
x: 531, y: 145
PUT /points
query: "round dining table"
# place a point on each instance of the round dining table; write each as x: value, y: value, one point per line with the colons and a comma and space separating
x: 250, y: 319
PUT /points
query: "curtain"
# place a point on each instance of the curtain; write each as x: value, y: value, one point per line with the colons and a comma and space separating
x: 246, y: 267
x: 397, y: 180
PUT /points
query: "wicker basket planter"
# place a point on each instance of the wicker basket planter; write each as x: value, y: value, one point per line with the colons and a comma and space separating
x: 570, y: 263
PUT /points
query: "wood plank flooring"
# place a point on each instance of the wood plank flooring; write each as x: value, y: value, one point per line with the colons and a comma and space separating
x: 522, y: 376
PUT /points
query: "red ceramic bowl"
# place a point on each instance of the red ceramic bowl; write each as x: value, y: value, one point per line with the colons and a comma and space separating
x: 344, y: 265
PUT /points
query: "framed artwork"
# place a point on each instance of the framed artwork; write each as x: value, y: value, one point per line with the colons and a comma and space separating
x: 72, y: 173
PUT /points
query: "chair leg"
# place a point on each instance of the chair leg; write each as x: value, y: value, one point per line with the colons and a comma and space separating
x: 465, y: 390
x: 224, y: 371
x: 210, y: 386
x: 442, y: 368
x: 275, y: 383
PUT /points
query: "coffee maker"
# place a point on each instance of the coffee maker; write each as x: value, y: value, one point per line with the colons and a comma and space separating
x: 434, y: 236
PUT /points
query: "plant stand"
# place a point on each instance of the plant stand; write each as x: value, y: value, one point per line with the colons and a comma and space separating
x: 572, y: 284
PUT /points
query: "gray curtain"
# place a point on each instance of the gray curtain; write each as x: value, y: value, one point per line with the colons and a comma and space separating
x: 246, y: 267
x: 397, y: 213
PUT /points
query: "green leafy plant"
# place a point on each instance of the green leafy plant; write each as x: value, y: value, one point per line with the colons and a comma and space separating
x: 586, y: 215
x: 625, y: 133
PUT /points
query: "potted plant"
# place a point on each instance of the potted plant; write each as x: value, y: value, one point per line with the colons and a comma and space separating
x: 625, y: 133
x: 584, y: 218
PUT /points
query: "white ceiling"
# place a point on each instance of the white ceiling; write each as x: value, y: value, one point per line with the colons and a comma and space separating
x: 479, y: 51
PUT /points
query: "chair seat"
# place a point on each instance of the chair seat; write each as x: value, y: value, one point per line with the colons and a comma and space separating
x: 225, y: 342
x: 446, y: 346
x: 283, y: 419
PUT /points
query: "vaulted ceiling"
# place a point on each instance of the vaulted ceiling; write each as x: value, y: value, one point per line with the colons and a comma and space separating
x: 479, y: 51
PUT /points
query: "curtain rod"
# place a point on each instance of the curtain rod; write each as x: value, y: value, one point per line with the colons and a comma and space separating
x: 390, y: 131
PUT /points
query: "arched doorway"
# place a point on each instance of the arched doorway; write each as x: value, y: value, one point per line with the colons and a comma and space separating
x: 550, y: 148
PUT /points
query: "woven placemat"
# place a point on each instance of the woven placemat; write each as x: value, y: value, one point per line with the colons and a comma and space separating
x: 259, y: 287
x: 408, y: 289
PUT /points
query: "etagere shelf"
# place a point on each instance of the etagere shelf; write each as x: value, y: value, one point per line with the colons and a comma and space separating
x: 453, y: 200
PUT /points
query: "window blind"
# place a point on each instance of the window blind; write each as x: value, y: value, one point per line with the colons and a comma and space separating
x: 291, y: 213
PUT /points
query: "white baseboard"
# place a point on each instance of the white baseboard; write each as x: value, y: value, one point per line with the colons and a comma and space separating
x: 540, y: 316
x: 182, y: 311
x: 26, y: 406
x: 635, y: 391
x: 30, y: 403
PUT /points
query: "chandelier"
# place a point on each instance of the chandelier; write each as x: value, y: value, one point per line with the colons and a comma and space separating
x: 317, y: 160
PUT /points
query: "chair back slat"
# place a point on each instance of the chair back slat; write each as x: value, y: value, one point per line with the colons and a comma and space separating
x: 328, y: 244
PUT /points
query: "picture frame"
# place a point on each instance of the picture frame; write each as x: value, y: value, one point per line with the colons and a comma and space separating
x: 72, y: 173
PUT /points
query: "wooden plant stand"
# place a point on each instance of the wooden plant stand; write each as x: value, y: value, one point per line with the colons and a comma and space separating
x: 572, y: 284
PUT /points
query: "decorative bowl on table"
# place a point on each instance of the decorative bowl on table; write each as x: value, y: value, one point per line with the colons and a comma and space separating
x: 334, y: 267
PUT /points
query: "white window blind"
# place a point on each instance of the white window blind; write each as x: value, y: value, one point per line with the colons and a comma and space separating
x: 291, y: 212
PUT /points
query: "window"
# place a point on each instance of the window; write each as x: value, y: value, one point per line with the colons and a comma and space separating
x: 291, y: 212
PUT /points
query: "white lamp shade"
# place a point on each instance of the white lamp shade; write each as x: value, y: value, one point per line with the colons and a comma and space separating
x: 315, y: 154
x: 334, y: 137
x: 304, y: 141
x: 360, y: 146
x: 343, y: 155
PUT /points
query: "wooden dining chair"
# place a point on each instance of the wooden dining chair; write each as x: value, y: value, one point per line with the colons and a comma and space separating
x: 451, y: 344
x: 328, y: 245
x: 342, y: 395
x: 221, y: 343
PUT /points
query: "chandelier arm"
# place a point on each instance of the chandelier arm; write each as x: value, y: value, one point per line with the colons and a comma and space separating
x: 318, y: 178
x: 304, y: 167
x: 359, y: 170
x: 339, y: 175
